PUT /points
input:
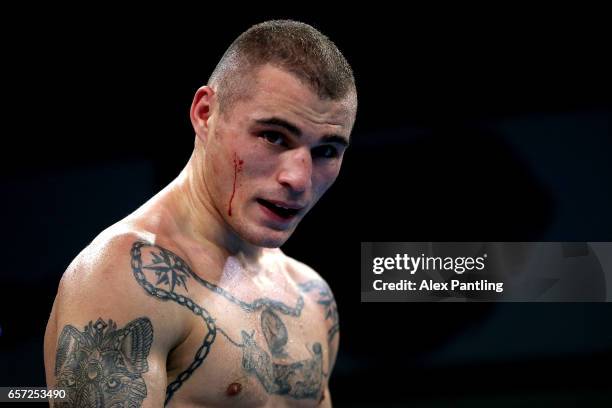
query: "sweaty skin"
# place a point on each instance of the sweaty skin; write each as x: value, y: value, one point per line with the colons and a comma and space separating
x: 188, y: 301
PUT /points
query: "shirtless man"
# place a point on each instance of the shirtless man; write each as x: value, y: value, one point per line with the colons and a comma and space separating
x: 188, y: 301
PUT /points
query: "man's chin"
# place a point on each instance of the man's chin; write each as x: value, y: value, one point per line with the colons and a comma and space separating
x: 274, y: 241
x: 270, y: 238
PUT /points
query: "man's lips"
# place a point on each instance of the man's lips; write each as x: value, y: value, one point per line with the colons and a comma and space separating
x: 283, y: 209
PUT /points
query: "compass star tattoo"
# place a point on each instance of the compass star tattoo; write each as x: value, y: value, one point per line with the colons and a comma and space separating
x: 169, y: 269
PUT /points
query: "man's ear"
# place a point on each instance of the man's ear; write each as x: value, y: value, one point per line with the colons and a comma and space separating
x: 201, y: 110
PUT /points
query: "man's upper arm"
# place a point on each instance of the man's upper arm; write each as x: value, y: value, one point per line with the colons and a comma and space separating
x: 107, y: 341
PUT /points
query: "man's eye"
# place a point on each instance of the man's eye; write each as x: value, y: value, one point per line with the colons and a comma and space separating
x: 274, y: 138
x: 325, y: 151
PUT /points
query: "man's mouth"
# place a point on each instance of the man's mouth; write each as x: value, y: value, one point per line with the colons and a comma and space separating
x: 283, y: 210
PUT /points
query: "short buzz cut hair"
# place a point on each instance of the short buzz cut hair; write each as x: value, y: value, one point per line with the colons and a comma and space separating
x: 290, y: 45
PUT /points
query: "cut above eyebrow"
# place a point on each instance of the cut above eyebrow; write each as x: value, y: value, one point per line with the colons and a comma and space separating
x: 294, y: 130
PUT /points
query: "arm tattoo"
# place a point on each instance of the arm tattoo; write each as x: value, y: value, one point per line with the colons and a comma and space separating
x: 298, y: 379
x: 102, y: 366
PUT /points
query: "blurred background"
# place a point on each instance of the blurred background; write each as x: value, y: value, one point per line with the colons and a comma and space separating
x: 473, y: 125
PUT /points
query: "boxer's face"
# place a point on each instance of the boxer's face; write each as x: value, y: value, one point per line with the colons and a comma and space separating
x: 271, y: 156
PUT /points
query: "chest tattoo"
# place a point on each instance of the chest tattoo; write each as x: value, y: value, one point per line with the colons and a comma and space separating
x: 298, y: 379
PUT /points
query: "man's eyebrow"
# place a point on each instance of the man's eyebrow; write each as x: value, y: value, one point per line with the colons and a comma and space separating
x: 335, y: 139
x: 293, y: 129
x: 290, y: 127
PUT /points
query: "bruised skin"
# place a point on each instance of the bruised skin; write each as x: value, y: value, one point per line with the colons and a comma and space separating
x: 237, y: 169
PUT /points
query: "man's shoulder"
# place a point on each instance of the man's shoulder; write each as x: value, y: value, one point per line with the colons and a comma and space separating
x: 300, y: 272
x: 101, y: 288
x: 312, y: 284
x: 103, y: 280
x: 111, y: 262
x: 108, y: 255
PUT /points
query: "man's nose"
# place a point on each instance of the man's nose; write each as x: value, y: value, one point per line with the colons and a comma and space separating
x: 296, y: 170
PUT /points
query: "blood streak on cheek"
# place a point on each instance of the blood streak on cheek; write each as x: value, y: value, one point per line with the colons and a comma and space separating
x: 237, y: 169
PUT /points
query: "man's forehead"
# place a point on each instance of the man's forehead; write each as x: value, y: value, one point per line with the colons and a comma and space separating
x: 275, y: 89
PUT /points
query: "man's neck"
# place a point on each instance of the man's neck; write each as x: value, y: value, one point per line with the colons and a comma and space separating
x: 195, y: 216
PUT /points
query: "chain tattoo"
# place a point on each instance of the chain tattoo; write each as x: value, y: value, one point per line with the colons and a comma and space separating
x: 164, y: 295
x: 299, y: 379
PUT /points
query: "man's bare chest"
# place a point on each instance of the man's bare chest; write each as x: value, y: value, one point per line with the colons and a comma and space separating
x: 247, y: 345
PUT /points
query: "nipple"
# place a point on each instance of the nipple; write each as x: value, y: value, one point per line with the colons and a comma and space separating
x: 233, y: 389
